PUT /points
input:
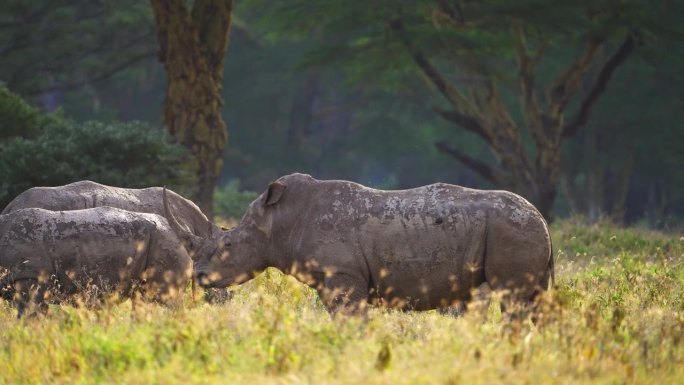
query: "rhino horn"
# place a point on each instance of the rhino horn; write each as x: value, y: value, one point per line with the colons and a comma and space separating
x: 213, y: 229
x: 175, y: 226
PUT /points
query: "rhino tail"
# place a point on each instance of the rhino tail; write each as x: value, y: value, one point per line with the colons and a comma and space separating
x: 548, y: 279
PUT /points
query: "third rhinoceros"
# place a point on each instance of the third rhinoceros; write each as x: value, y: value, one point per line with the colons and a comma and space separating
x: 420, y: 249
x: 104, y: 248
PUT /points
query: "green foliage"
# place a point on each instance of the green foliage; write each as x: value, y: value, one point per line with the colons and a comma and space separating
x: 582, y: 242
x: 375, y: 137
x: 372, y: 117
x: 473, y: 43
x: 18, y: 118
x: 120, y: 154
x: 55, y: 45
x: 358, y: 38
x: 230, y: 202
x: 59, y: 151
x: 615, y: 318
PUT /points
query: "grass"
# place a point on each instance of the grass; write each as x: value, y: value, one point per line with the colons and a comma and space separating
x: 616, y: 317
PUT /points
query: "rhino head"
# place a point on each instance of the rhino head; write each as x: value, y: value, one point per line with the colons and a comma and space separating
x: 248, y: 248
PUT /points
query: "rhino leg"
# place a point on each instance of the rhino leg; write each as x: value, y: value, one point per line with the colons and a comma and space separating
x: 480, y: 298
x: 218, y: 296
x: 344, y: 293
x: 30, y: 295
x: 455, y: 310
x: 516, y: 305
x: 479, y: 303
x: 169, y: 268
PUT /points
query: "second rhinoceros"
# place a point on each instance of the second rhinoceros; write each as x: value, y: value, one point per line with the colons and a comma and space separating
x: 103, y: 248
x: 87, y: 194
x: 420, y: 249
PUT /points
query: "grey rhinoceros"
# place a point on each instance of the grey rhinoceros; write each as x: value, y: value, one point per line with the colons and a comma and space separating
x: 104, y: 247
x: 420, y: 249
x: 86, y: 194
x: 194, y: 228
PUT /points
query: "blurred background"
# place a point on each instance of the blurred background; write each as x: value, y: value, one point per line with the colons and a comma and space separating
x: 576, y: 105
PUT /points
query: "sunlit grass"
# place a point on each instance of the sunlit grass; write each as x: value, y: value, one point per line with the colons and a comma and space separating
x: 616, y: 317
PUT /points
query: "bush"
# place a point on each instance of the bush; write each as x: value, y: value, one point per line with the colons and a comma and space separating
x: 18, y: 118
x: 60, y: 151
x: 230, y: 202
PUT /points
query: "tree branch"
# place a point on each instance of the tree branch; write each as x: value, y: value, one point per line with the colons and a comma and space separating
x: 239, y: 27
x: 465, y: 122
x: 481, y: 168
x: 457, y: 99
x: 567, y: 84
x: 526, y: 68
x: 452, y: 13
x: 619, y: 57
x: 27, y: 18
x: 526, y: 64
x: 97, y: 77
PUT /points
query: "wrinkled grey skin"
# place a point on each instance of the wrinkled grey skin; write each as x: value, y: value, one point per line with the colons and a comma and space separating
x: 86, y: 194
x: 105, y: 247
x: 419, y: 249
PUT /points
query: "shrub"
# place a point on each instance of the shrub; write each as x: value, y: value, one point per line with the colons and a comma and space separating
x: 56, y: 151
x: 18, y: 118
x: 230, y: 202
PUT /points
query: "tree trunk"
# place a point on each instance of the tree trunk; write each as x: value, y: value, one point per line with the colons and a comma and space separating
x: 594, y: 179
x: 302, y: 110
x: 193, y: 45
x: 619, y: 206
x: 572, y: 195
x: 656, y: 204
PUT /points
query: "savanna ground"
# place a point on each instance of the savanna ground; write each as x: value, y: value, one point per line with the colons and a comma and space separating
x: 616, y: 316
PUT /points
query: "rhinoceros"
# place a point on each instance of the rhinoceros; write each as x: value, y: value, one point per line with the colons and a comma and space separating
x: 86, y: 194
x: 104, y: 247
x: 419, y: 249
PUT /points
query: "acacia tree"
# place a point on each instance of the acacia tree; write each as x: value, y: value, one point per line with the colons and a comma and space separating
x: 479, y: 106
x: 522, y: 76
x: 193, y: 40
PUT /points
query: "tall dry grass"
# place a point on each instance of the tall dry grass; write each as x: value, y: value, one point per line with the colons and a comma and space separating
x: 616, y: 317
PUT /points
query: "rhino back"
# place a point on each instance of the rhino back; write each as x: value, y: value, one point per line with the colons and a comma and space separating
x: 76, y: 196
x: 87, y: 194
x: 102, y: 242
x: 49, y: 198
x: 35, y: 224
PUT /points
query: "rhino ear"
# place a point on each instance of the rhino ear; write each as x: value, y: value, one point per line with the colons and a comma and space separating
x: 274, y: 193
